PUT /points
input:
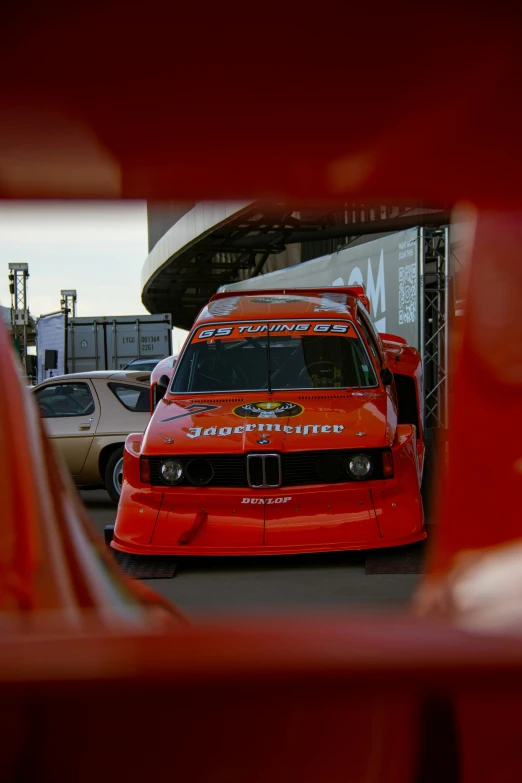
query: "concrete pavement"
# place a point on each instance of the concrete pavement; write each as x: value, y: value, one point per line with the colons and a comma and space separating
x: 299, y: 583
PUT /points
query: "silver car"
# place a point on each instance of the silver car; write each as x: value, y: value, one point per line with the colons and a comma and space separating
x: 88, y: 417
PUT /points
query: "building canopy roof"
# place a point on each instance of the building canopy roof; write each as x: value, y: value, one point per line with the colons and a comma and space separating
x: 215, y: 244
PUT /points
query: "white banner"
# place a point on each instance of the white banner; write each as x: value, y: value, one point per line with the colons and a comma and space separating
x: 387, y: 267
x: 50, y: 336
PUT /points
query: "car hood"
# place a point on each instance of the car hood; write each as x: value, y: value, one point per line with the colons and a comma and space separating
x: 276, y: 422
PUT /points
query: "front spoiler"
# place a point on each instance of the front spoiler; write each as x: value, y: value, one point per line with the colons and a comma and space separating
x: 419, y: 535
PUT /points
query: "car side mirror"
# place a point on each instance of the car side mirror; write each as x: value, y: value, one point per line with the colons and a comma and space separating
x: 162, y: 386
x: 386, y: 376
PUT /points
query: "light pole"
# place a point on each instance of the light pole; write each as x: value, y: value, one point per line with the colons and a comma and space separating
x: 68, y: 305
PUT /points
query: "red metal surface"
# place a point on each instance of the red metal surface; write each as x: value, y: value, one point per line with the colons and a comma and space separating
x: 164, y: 367
x: 353, y: 292
x: 361, y: 120
x: 352, y: 102
x: 405, y: 360
x: 50, y: 558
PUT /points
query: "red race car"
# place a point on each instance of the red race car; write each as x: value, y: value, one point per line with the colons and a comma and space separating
x: 288, y: 425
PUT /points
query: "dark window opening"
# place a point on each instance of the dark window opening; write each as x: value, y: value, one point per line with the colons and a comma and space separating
x: 65, y: 399
x: 134, y: 398
x: 406, y: 392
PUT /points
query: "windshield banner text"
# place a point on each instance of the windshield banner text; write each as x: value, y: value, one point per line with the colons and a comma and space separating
x: 239, y: 331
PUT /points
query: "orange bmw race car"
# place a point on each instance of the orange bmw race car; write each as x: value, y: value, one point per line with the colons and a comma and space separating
x: 289, y: 425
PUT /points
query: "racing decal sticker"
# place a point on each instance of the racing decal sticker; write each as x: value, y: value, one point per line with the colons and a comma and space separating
x: 223, y: 306
x: 288, y: 328
x: 301, y: 429
x: 268, y: 410
x: 192, y: 410
x: 265, y: 501
x: 278, y: 299
x: 332, y: 303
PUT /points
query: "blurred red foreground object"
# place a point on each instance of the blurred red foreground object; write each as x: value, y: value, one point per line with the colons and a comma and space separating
x: 105, y: 104
x: 368, y: 102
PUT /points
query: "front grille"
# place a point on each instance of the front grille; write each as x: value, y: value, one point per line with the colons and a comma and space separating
x: 300, y: 468
x: 297, y: 468
x: 264, y: 470
x: 273, y: 471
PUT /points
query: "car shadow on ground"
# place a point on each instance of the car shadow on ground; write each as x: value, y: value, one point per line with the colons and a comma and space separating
x: 270, y: 562
x: 408, y: 559
x: 96, y: 497
x: 397, y: 560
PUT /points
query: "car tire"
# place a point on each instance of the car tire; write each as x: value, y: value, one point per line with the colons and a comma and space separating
x: 433, y: 443
x: 113, y: 474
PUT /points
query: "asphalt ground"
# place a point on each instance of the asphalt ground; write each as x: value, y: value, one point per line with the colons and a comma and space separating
x: 261, y: 585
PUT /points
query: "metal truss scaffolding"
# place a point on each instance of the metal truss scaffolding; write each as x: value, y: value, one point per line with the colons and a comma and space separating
x: 18, y: 275
x: 434, y: 266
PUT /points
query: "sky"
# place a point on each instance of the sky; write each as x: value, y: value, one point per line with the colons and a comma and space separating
x: 98, y: 248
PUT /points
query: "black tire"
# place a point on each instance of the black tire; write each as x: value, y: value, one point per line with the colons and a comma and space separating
x: 427, y: 474
x: 433, y: 443
x: 112, y: 471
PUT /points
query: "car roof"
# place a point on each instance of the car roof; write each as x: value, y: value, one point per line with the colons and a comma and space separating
x: 168, y: 361
x: 136, y: 376
x: 163, y: 365
x: 291, y: 303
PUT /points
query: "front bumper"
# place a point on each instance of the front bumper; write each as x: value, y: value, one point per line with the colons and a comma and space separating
x: 290, y: 520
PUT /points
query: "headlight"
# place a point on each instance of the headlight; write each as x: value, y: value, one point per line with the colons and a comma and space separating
x: 360, y: 466
x: 200, y: 471
x: 171, y: 471
x: 330, y: 467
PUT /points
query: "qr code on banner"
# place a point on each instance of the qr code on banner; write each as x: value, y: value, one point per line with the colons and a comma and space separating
x: 408, y: 294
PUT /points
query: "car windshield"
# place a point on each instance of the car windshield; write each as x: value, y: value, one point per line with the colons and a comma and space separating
x: 264, y: 356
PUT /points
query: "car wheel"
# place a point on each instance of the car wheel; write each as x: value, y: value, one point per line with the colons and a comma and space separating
x: 432, y: 438
x: 114, y: 474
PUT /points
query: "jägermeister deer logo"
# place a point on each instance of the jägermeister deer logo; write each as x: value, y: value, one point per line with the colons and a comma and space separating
x: 268, y: 410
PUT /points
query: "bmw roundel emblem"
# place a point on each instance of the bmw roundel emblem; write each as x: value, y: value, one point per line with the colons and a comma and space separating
x: 263, y: 441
